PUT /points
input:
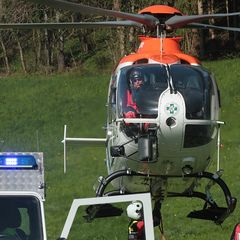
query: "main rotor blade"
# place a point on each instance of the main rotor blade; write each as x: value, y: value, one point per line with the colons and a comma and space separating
x: 181, y: 21
x: 19, y: 26
x: 147, y: 20
x: 207, y: 26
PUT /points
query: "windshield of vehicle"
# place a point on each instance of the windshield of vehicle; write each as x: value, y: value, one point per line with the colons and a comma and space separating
x: 195, y: 85
x: 139, y: 89
x: 20, y: 218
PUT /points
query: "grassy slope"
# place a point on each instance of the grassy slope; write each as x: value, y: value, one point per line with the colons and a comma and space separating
x: 39, y: 105
x: 31, y: 104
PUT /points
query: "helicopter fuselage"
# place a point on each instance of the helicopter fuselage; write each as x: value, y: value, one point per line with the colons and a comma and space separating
x: 174, y: 129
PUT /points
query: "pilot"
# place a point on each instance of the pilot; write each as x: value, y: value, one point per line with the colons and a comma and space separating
x: 136, y: 81
x: 136, y: 225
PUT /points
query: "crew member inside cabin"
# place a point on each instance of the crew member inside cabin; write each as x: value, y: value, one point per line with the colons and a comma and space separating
x: 136, y: 81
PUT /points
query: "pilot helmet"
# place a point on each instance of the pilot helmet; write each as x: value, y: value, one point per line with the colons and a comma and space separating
x: 135, y: 210
x: 136, y: 79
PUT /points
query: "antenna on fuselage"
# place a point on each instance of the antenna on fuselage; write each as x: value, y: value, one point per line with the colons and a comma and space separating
x: 162, y: 35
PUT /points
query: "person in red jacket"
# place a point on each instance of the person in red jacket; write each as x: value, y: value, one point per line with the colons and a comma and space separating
x: 136, y: 81
x: 136, y: 230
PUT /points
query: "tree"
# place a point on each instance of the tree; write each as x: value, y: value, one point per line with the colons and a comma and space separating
x: 55, y: 49
x: 120, y: 30
x: 5, y: 56
x: 60, y: 43
x: 201, y: 32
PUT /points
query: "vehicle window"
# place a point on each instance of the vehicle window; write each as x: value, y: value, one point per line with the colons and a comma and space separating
x: 20, y: 218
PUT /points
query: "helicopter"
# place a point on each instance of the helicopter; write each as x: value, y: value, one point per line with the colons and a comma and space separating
x: 163, y: 122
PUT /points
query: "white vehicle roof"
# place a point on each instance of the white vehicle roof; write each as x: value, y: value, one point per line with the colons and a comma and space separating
x: 22, y: 172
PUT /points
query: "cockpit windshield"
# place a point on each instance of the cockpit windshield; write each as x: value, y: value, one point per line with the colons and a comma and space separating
x: 195, y: 85
x: 139, y: 89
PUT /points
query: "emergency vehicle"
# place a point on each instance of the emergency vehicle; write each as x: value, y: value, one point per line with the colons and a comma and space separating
x: 22, y: 194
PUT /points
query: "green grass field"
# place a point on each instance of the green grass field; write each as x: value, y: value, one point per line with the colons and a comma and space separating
x: 33, y: 112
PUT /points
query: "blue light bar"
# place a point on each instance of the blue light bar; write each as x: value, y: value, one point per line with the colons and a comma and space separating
x: 18, y: 162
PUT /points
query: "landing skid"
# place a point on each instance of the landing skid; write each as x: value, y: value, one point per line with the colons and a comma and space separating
x: 211, y: 211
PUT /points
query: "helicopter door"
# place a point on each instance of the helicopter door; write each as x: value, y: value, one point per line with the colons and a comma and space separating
x: 171, y: 112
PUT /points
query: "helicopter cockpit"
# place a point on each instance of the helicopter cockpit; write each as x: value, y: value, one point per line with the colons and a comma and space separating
x: 142, y: 99
x: 192, y: 82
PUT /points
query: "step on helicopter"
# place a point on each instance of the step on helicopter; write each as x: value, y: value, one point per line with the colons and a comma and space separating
x: 163, y: 122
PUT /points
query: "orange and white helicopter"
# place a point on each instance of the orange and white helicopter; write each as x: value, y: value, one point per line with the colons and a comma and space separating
x: 163, y: 111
